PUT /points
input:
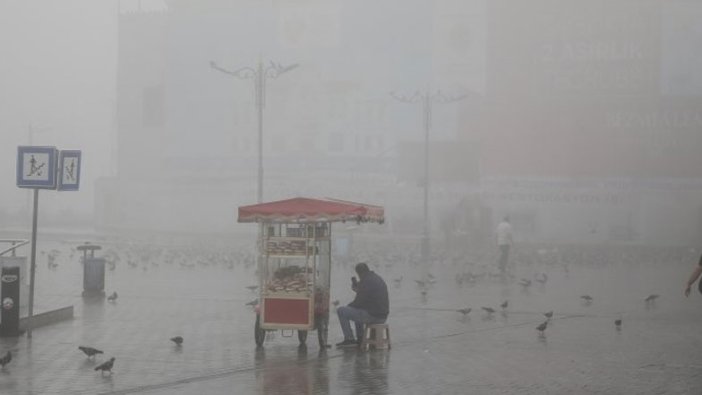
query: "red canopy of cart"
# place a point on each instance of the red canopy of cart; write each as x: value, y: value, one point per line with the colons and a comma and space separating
x: 302, y: 209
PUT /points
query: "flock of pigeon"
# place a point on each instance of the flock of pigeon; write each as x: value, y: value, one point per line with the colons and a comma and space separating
x: 91, y: 352
x: 107, y: 366
x: 185, y: 257
x: 540, y: 278
x: 190, y: 257
x: 146, y: 257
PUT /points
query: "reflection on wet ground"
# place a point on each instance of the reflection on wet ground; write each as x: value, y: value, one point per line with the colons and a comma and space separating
x: 284, y: 373
x: 438, y: 348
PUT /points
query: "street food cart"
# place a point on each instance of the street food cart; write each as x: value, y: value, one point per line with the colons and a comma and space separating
x: 294, y: 261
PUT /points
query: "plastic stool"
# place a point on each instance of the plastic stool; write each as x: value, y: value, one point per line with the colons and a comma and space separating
x: 376, y: 335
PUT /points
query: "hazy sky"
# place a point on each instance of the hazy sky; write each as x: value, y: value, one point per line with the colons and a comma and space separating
x: 57, y: 74
x: 58, y: 78
x: 621, y: 69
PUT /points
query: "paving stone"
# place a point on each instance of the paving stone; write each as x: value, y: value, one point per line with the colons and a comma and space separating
x: 435, y: 349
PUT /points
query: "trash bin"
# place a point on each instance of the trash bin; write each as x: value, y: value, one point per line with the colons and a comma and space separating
x: 93, y: 271
x: 10, y: 301
x: 94, y: 276
x: 21, y: 262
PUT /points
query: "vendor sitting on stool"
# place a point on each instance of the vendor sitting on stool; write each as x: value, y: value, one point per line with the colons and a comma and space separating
x: 371, y: 305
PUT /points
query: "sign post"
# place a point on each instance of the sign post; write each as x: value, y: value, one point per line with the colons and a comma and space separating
x: 37, y: 169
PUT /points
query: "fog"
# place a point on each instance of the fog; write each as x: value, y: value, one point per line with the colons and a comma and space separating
x: 579, y: 120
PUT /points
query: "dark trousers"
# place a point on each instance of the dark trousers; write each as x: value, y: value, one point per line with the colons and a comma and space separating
x: 504, y: 257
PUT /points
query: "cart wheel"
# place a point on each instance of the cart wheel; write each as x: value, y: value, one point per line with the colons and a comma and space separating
x: 259, y: 334
x: 302, y: 336
x: 322, y: 331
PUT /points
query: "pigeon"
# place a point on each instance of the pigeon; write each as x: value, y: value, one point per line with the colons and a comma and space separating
x: 6, y: 359
x: 398, y: 281
x: 252, y: 303
x: 465, y: 311
x: 618, y: 323
x: 89, y: 351
x: 586, y: 298
x: 112, y: 297
x: 488, y: 310
x: 459, y: 279
x: 420, y: 283
x: 424, y: 292
x: 549, y: 314
x: 335, y: 303
x: 525, y: 283
x: 106, y: 366
x: 504, y: 304
x: 541, y: 328
x: 178, y: 340
x: 542, y: 279
x: 651, y: 298
x: 252, y: 287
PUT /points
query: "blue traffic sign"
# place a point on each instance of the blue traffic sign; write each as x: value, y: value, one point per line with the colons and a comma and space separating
x: 36, y: 167
x: 69, y: 170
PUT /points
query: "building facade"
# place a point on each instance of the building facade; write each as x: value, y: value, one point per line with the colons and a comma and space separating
x: 187, y: 138
x: 592, y: 120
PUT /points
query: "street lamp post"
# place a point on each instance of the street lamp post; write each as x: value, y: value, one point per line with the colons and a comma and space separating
x: 259, y: 74
x: 31, y: 131
x: 427, y: 99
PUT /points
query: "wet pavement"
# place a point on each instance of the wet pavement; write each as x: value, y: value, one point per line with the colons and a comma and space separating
x: 435, y: 349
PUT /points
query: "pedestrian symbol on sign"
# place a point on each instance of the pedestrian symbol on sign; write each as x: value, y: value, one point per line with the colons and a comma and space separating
x: 69, y: 177
x: 33, y: 168
x: 70, y: 169
x: 36, y: 167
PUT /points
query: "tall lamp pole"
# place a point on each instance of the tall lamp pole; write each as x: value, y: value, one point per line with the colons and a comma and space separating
x: 31, y: 131
x: 259, y: 74
x: 427, y: 99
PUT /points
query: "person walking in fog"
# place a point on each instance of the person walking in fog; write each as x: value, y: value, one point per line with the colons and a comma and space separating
x: 693, y: 277
x: 370, y: 306
x: 504, y: 242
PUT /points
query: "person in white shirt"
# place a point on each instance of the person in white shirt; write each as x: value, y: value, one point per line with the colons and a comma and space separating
x: 504, y: 242
x: 693, y: 278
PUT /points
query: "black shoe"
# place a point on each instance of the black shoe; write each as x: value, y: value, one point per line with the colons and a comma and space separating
x: 347, y: 343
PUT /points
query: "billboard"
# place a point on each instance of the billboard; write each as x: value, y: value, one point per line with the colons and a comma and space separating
x: 593, y: 89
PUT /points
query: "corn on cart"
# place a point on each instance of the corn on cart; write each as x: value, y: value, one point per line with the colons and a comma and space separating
x: 294, y: 262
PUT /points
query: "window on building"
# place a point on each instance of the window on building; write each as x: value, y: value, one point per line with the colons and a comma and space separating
x: 244, y: 144
x: 152, y: 106
x: 278, y: 143
x: 336, y: 142
x: 380, y: 143
x: 368, y: 146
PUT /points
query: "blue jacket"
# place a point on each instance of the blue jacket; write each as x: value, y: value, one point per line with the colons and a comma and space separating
x: 372, y: 296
